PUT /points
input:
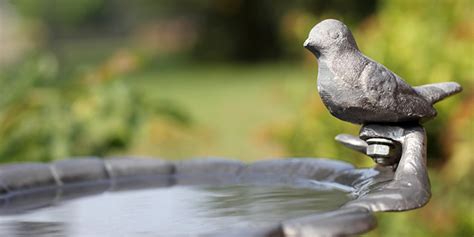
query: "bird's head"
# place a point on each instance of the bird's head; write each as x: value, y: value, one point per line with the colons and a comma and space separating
x: 329, y: 36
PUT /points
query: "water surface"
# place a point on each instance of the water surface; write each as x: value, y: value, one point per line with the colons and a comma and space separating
x: 175, y: 211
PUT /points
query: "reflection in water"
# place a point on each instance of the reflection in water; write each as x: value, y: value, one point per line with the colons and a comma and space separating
x: 267, y: 204
x: 37, y: 229
x: 173, y: 211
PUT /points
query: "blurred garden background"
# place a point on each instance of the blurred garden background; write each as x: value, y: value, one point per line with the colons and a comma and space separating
x: 228, y: 78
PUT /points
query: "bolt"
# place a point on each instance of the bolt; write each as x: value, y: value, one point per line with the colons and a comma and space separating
x: 380, y: 150
x: 383, y: 151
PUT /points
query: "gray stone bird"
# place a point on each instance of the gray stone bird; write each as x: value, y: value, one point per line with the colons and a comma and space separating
x: 359, y: 90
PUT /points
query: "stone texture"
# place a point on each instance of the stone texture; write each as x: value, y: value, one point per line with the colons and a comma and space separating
x: 138, y: 173
x: 208, y: 171
x: 131, y: 167
x: 80, y: 170
x: 206, y: 166
x: 24, y: 176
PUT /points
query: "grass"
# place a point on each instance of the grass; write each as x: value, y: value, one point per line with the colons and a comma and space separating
x: 233, y: 103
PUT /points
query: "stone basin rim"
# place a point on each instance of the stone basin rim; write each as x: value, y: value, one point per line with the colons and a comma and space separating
x: 125, y: 173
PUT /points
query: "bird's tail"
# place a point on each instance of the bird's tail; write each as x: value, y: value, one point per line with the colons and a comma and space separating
x: 438, y: 91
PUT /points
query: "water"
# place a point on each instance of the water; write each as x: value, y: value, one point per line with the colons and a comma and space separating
x: 175, y: 211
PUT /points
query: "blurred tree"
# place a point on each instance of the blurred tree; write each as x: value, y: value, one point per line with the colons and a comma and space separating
x: 246, y: 30
x: 241, y: 30
x: 63, y: 16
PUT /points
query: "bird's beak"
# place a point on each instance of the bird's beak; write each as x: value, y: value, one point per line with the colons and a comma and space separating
x: 306, y: 43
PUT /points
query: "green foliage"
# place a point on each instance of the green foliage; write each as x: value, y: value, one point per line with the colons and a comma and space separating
x: 60, y: 13
x: 45, y: 117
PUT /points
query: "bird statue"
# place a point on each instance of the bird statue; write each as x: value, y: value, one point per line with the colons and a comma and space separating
x: 360, y: 90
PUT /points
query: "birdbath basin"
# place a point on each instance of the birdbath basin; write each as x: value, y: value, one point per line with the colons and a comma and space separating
x: 136, y: 197
x: 207, y: 197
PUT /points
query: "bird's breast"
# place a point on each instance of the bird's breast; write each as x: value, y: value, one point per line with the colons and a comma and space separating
x: 337, y: 94
x: 330, y: 89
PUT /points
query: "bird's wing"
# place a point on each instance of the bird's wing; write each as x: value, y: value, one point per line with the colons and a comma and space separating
x: 387, y: 90
x: 381, y: 83
x: 438, y: 91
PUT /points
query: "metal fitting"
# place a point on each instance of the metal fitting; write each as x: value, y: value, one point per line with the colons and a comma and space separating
x: 383, y: 151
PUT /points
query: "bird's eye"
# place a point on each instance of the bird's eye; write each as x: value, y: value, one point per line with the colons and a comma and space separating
x: 334, y: 34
